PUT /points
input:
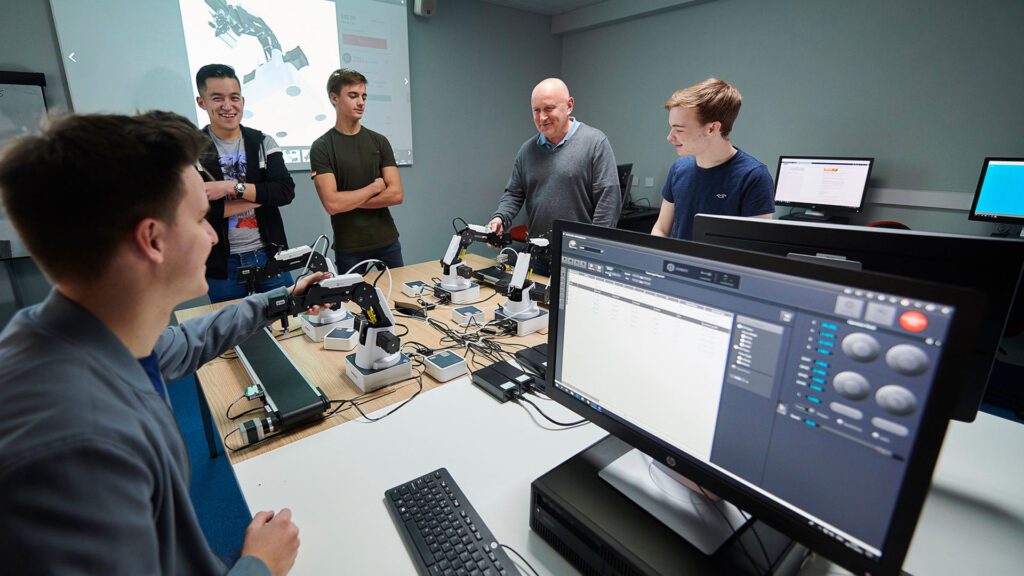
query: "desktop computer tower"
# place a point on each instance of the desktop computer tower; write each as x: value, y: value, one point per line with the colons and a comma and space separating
x: 601, y: 532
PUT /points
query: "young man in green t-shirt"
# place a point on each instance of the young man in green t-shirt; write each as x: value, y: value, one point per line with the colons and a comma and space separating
x: 355, y: 175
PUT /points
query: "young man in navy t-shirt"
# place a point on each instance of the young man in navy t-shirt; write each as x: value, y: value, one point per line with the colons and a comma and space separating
x: 711, y: 176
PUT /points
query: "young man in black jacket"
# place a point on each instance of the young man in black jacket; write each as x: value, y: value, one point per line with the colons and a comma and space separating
x: 247, y: 183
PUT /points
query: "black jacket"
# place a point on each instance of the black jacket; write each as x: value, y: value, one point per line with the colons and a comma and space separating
x: 274, y: 188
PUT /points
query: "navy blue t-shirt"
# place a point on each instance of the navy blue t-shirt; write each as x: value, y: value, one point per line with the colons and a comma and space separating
x: 740, y: 187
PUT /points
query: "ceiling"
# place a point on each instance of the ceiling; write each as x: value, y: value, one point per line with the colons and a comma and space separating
x: 548, y: 7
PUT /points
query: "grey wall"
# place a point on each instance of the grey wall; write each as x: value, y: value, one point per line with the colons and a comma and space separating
x: 927, y: 87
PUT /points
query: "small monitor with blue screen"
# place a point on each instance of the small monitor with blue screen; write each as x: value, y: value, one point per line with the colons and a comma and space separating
x: 1000, y: 194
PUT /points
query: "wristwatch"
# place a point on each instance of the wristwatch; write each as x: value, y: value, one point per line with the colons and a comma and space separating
x: 239, y: 190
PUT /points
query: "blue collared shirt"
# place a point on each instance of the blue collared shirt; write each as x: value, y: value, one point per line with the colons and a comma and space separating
x: 543, y: 140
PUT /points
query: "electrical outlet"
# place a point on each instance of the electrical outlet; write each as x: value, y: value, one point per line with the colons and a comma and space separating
x: 649, y: 181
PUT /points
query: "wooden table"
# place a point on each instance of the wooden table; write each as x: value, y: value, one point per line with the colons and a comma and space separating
x: 222, y: 381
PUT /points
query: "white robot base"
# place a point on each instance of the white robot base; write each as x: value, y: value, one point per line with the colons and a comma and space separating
x: 370, y: 380
x: 524, y: 326
x: 316, y: 331
x: 462, y: 296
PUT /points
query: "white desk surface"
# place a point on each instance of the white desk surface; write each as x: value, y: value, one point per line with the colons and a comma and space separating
x: 334, y: 482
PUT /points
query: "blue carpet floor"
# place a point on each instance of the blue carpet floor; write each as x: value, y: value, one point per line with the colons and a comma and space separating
x: 219, y: 505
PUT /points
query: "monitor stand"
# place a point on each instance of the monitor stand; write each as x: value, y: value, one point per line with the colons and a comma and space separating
x: 598, y: 530
x: 815, y: 216
x: 704, y: 521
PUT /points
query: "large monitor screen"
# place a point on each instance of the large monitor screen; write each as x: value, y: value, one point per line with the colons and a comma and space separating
x: 836, y: 184
x: 989, y: 266
x: 1000, y: 194
x: 815, y: 398
x: 283, y: 52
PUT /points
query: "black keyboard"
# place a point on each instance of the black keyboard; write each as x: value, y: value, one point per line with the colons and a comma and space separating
x: 443, y: 532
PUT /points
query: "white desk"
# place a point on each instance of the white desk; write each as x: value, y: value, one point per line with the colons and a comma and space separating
x: 334, y: 482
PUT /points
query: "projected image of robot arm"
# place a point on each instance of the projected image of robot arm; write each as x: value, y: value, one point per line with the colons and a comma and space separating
x: 229, y: 22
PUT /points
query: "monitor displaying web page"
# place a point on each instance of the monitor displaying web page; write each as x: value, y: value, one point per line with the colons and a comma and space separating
x: 1000, y: 194
x: 815, y: 398
x: 818, y: 182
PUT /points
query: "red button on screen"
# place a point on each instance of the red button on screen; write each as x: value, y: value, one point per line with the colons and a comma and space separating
x: 913, y: 321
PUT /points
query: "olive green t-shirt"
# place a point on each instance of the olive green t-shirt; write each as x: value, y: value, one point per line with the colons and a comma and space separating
x: 356, y: 161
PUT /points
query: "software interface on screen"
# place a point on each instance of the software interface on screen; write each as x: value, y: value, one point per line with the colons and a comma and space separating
x: 1001, y: 191
x: 822, y: 181
x: 806, y: 393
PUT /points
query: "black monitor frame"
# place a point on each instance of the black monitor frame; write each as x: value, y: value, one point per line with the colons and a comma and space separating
x: 827, y: 208
x: 996, y: 219
x: 990, y: 266
x: 920, y: 465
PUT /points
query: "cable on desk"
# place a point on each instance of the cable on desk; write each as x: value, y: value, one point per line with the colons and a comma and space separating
x: 580, y: 422
x: 743, y: 548
x: 419, y: 379
x: 525, y: 561
x: 403, y: 333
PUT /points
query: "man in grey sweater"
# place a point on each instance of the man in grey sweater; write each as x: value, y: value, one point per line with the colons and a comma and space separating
x: 566, y: 172
x: 93, y: 470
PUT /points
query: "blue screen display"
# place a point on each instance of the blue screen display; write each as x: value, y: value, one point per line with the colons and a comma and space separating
x: 1002, y: 190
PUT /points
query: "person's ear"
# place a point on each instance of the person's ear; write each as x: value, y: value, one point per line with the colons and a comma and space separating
x: 200, y: 102
x: 149, y: 239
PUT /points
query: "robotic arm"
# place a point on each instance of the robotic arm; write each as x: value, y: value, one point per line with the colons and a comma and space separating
x: 456, y: 274
x: 521, y: 304
x: 285, y: 261
x: 378, y: 346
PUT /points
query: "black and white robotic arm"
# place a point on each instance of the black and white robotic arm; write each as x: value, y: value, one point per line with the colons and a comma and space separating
x: 521, y: 304
x: 378, y: 346
x: 455, y: 273
x: 283, y: 261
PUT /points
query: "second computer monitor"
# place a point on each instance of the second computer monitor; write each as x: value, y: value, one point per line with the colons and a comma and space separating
x: 822, y: 184
x: 1000, y: 194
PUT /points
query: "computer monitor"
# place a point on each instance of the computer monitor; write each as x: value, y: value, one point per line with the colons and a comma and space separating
x: 625, y: 183
x: 813, y: 398
x: 990, y: 266
x: 1000, y: 194
x: 823, y: 185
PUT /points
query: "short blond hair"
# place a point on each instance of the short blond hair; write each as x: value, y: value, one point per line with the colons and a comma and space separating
x: 713, y: 99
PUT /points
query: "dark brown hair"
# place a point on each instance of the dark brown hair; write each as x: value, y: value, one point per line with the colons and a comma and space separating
x: 343, y: 77
x: 78, y: 189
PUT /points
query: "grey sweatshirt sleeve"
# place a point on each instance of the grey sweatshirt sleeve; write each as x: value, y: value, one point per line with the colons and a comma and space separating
x: 182, y: 349
x: 607, y: 195
x: 515, y: 193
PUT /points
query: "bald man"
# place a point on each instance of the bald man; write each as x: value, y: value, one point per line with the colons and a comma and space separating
x: 567, y: 171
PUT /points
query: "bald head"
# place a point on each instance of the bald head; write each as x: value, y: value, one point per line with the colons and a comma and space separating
x: 552, y: 87
x: 552, y: 106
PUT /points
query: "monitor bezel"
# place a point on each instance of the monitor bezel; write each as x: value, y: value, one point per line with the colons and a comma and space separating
x: 829, y: 208
x: 973, y: 215
x: 935, y: 415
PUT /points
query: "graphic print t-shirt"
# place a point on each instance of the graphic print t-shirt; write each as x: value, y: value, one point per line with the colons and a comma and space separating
x: 243, y: 230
